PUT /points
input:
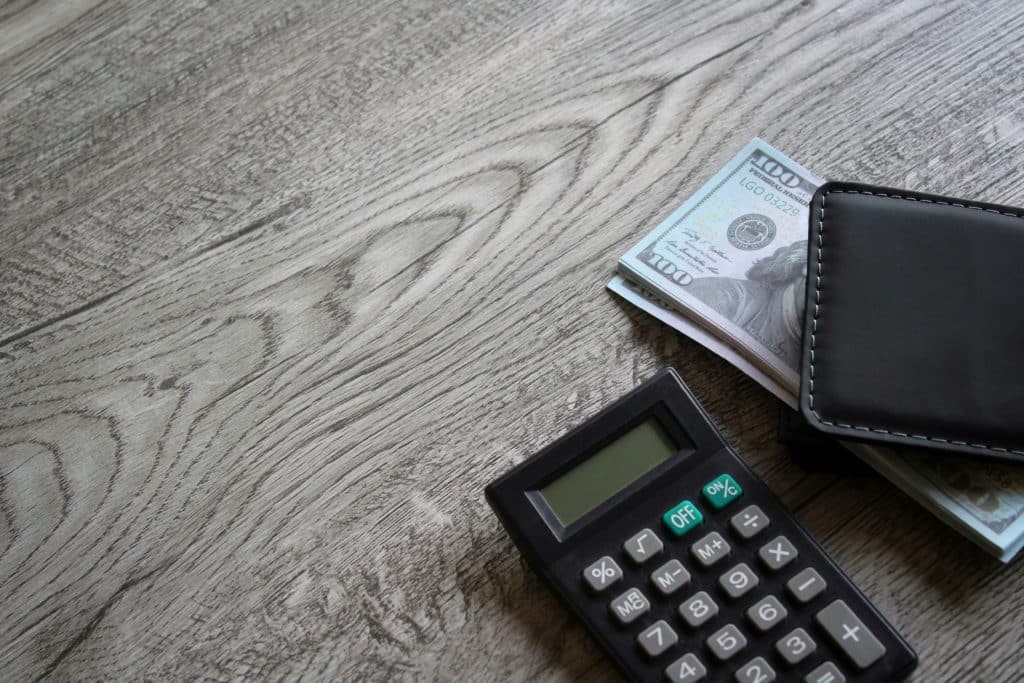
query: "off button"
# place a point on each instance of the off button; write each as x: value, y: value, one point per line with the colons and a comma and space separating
x: 682, y: 518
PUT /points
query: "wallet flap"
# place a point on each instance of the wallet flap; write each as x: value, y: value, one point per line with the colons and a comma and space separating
x: 914, y: 323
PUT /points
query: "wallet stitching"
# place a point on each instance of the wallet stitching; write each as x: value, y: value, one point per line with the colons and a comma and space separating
x: 817, y: 311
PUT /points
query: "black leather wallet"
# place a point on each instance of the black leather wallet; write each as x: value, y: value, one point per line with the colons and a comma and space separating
x: 914, y: 325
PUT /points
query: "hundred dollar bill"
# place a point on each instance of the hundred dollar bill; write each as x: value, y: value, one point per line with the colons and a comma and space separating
x: 728, y: 270
x: 733, y: 257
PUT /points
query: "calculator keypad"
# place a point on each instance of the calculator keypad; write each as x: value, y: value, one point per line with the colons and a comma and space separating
x: 718, y: 638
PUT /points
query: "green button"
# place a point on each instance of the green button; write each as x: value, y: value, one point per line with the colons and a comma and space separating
x: 721, y: 491
x: 682, y: 518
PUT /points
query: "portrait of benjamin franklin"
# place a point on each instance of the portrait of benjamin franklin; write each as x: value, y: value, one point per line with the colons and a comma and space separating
x: 768, y: 304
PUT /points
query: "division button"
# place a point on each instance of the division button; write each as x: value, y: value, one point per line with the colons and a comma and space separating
x: 850, y: 634
x: 795, y: 646
x: 749, y: 521
x: 698, y: 609
x: 642, y: 546
x: 766, y: 613
x: 686, y: 669
x: 710, y: 549
x: 777, y: 553
x: 602, y: 574
x: 826, y: 673
x: 755, y: 671
x: 738, y: 581
x: 629, y: 606
x: 726, y: 642
x: 657, y: 638
x: 721, y: 491
x: 682, y: 518
x: 670, y: 577
x: 806, y: 585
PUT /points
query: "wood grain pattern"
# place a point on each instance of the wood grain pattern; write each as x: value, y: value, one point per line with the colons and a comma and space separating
x: 284, y: 286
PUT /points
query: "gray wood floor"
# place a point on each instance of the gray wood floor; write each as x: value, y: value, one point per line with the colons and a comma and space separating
x: 283, y: 285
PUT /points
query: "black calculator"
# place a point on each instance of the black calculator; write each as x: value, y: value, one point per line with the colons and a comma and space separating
x: 680, y: 562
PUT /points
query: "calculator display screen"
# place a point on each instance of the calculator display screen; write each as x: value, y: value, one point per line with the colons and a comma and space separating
x: 608, y: 471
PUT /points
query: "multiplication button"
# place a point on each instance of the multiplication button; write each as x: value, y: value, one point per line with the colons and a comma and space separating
x: 749, y: 521
x: 602, y: 574
x: 642, y: 546
x: 777, y: 553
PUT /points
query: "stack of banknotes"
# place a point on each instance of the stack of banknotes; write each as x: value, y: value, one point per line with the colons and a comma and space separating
x: 728, y: 268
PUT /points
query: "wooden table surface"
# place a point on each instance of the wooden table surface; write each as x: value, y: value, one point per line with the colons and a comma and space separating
x: 285, y: 284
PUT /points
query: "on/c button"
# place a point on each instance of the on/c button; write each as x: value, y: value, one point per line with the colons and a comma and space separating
x: 682, y: 518
x: 721, y: 491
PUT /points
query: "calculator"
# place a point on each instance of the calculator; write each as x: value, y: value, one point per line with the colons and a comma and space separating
x: 678, y: 559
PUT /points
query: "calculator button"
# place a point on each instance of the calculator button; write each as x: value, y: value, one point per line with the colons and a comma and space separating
x: 726, y: 642
x: 698, y: 609
x: 602, y: 574
x: 738, y: 581
x: 642, y: 546
x: 766, y: 613
x: 777, y: 553
x: 682, y: 518
x: 670, y: 577
x: 795, y: 646
x: 806, y: 585
x: 721, y: 491
x: 710, y: 549
x: 749, y: 521
x: 826, y: 673
x: 657, y: 638
x: 629, y: 606
x: 755, y: 671
x: 686, y: 669
x: 850, y: 634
